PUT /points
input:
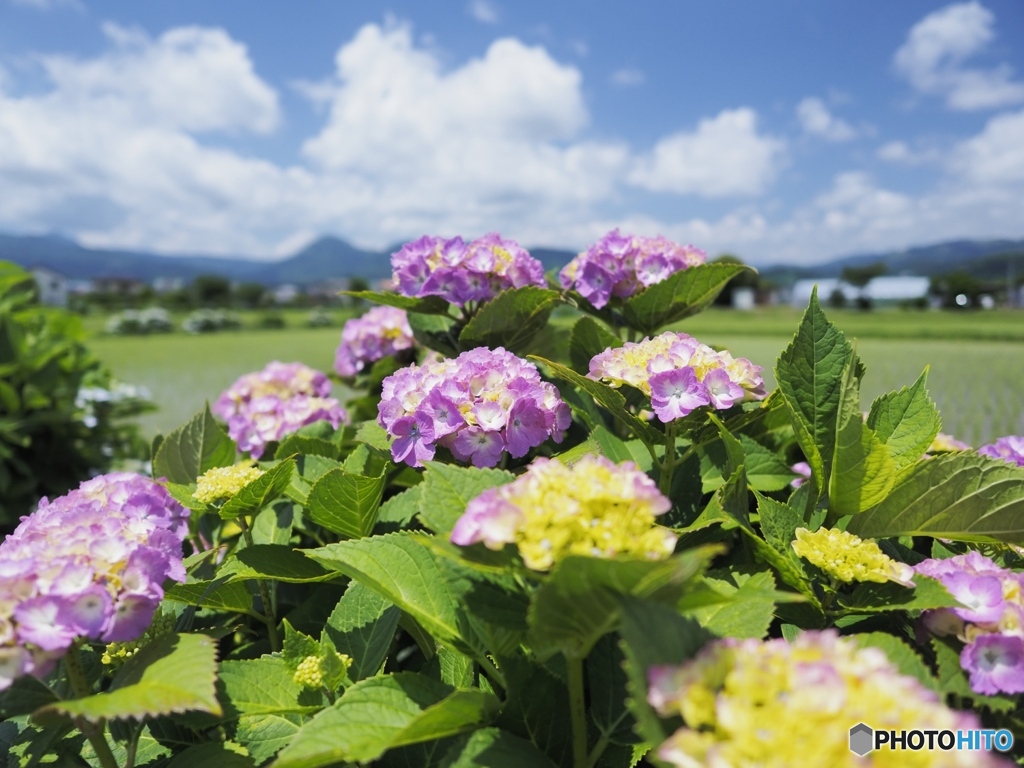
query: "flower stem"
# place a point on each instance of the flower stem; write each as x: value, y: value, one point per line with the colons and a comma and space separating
x: 94, y: 732
x: 577, y: 710
x: 268, y: 608
x: 669, y: 464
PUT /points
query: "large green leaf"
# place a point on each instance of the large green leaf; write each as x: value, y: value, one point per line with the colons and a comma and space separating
x: 381, y: 713
x: 346, y: 503
x: 680, y: 295
x: 493, y: 748
x: 447, y: 489
x: 217, y: 594
x: 606, y: 684
x: 810, y: 376
x: 589, y: 338
x: 191, y: 449
x: 863, y: 472
x: 263, y: 686
x: 175, y: 673
x: 256, y: 495
x: 363, y: 625
x: 24, y: 696
x: 276, y: 562
x: 873, y: 597
x: 907, y: 422
x: 511, y: 319
x: 899, y: 653
x: 747, y: 607
x: 537, y: 708
x: 437, y: 332
x: 609, y: 398
x: 266, y: 735
x: 578, y: 602
x: 960, y: 496
x: 211, y: 755
x: 766, y: 469
x: 428, y: 305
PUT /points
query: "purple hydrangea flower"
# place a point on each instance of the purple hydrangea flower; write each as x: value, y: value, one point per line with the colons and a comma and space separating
x: 461, y: 272
x: 995, y: 663
x: 381, y: 332
x: 803, y: 471
x: 676, y: 393
x: 267, y: 405
x: 89, y: 564
x: 478, y: 406
x: 621, y: 265
x: 1009, y: 449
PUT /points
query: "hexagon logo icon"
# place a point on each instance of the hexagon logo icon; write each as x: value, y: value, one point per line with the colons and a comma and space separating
x: 862, y: 739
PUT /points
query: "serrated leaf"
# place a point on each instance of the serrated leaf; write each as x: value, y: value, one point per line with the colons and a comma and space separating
x: 871, y: 597
x: 211, y: 755
x: 749, y: 606
x: 217, y: 594
x: 24, y: 696
x: 346, y: 504
x: 362, y: 626
x: 398, y: 511
x: 447, y: 489
x: 436, y: 332
x: 306, y: 446
x: 191, y: 449
x: 863, y: 472
x: 185, y: 495
x: 907, y: 422
x: 679, y: 296
x: 174, y: 673
x: 266, y: 735
x: 537, y: 708
x: 959, y: 496
x: 766, y: 469
x: 606, y: 682
x: 511, y: 319
x: 899, y: 653
x: 779, y: 522
x: 427, y: 305
x: 578, y: 602
x: 587, y: 339
x: 494, y: 748
x: 263, y: 686
x: 381, y: 713
x: 256, y: 495
x: 611, y: 399
x: 276, y: 562
x: 809, y: 373
x: 297, y: 647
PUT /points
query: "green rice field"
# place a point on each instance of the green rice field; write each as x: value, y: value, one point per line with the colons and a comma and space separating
x: 978, y: 383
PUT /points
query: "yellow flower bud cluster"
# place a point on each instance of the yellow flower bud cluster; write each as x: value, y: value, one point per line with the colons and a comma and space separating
x: 116, y: 654
x: 848, y: 558
x: 310, y: 671
x: 225, y: 482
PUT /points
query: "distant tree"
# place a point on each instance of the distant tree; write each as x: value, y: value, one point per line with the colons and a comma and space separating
x: 837, y: 299
x: 211, y: 291
x: 746, y: 279
x: 958, y: 290
x: 358, y: 284
x: 861, y: 276
x: 249, y: 295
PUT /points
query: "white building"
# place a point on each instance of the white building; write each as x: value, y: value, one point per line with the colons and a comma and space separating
x: 53, y: 286
x: 879, y: 290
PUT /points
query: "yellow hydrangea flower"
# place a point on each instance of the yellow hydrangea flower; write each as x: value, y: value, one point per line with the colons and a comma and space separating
x: 848, y: 558
x: 225, y: 482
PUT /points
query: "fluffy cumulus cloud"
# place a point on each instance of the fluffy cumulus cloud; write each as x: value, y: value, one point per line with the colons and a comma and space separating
x: 483, y: 11
x: 724, y: 156
x: 935, y: 55
x: 816, y: 120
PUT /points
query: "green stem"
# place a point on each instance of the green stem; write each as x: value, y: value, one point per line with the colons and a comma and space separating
x: 598, y: 750
x: 94, y: 732
x: 492, y: 672
x: 669, y: 464
x: 577, y: 710
x: 268, y: 608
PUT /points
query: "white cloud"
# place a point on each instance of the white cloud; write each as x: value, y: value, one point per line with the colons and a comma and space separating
x: 725, y: 156
x: 628, y: 77
x: 934, y: 55
x: 995, y: 157
x: 816, y: 120
x: 483, y: 11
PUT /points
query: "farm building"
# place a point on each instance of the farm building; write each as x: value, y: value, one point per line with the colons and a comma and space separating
x: 879, y: 290
x: 53, y: 286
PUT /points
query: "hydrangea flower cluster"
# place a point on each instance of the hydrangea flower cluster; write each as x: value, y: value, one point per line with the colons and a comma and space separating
x: 461, y: 272
x: 225, y: 482
x: 478, y: 405
x: 1009, y: 449
x: 381, y: 332
x: 267, y: 405
x: 595, y: 508
x: 848, y: 558
x: 944, y: 443
x: 679, y: 374
x: 91, y: 563
x: 990, y: 623
x: 748, y: 702
x: 621, y: 265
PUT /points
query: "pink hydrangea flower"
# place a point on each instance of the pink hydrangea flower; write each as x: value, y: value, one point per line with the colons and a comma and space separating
x: 89, y: 564
x: 1009, y: 449
x: 381, y: 332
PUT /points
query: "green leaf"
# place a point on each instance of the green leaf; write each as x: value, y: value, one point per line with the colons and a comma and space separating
x: 680, y: 295
x: 266, y: 735
x: 451, y: 667
x: 211, y: 755
x: 185, y: 495
x: 609, y: 398
x: 276, y: 562
x: 606, y: 682
x: 766, y: 469
x: 256, y: 495
x: 435, y: 332
x: 863, y: 472
x: 24, y: 696
x: 190, y: 450
x: 447, y: 489
x: 297, y: 647
x: 589, y: 338
x: 428, y: 305
x: 537, y: 708
x: 578, y: 602
x: 382, y: 713
x: 306, y: 446
x: 493, y: 748
x: 959, y: 496
x: 872, y: 597
x: 810, y: 376
x: 175, y: 673
x: 906, y: 421
x: 899, y: 653
x: 398, y: 511
x: 748, y: 608
x: 511, y: 319
x: 346, y: 504
x: 263, y: 686
x: 363, y: 625
x: 216, y: 594
x: 779, y: 522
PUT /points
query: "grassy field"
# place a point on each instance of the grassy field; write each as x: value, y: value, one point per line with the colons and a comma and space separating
x: 976, y: 383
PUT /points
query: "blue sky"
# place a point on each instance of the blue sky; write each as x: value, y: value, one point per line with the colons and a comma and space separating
x: 783, y: 131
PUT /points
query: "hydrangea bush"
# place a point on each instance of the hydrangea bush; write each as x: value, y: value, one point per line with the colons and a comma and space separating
x: 622, y: 552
